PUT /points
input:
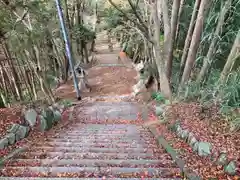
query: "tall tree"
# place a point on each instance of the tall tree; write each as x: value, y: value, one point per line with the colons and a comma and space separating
x: 208, y: 59
x: 233, y: 56
x: 204, y: 5
x: 174, y: 23
x: 164, y: 83
x: 189, y: 36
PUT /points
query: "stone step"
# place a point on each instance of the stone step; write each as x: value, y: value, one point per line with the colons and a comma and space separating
x: 79, y: 128
x: 112, y: 104
x: 111, y: 65
x: 114, y: 126
x: 103, y: 145
x: 100, y: 133
x: 84, y: 130
x: 95, y: 149
x: 106, y: 120
x: 87, y: 155
x: 69, y: 178
x: 111, y: 126
x: 29, y: 171
x: 75, y: 140
x: 109, y: 112
x: 129, y: 107
x: 116, y: 97
x: 108, y: 126
x: 103, y: 131
x: 145, y: 163
x: 99, y: 137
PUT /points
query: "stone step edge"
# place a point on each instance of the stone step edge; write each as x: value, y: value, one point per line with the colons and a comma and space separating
x: 72, y: 154
x: 50, y: 178
x: 111, y: 65
x: 169, y: 149
x: 90, y: 162
x: 115, y: 171
x: 94, y: 149
x: 99, y: 137
x: 96, y: 144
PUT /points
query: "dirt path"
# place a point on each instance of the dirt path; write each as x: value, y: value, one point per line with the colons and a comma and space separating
x: 105, y: 139
x: 105, y: 79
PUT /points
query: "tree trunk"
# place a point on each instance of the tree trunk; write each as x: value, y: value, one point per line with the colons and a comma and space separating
x: 72, y: 18
x: 52, y: 58
x: 33, y: 82
x: 68, y: 24
x: 86, y: 52
x: 109, y: 40
x: 3, y: 79
x: 174, y: 18
x: 234, y: 54
x: 167, y: 30
x: 195, y: 41
x: 24, y: 74
x: 179, y: 16
x: 78, y: 5
x: 164, y: 83
x: 66, y: 68
x: 67, y: 15
x: 208, y: 60
x: 2, y: 100
x: 10, y: 86
x: 189, y: 37
x: 14, y: 77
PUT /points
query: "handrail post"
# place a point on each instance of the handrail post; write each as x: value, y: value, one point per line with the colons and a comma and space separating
x: 65, y: 36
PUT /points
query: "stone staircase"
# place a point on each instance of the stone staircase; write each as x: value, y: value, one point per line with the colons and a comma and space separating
x: 90, y: 149
x: 106, y: 140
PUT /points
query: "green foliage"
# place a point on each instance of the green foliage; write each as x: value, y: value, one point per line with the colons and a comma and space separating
x: 52, y: 80
x: 158, y: 97
x: 228, y: 32
x: 227, y: 95
x: 235, y: 123
x: 66, y: 103
x: 230, y: 92
x: 33, y: 36
x: 2, y: 105
x: 113, y: 18
x: 184, y: 22
x: 81, y: 32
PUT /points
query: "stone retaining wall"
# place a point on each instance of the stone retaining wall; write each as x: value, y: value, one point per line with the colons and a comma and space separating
x: 203, y: 149
x: 43, y: 119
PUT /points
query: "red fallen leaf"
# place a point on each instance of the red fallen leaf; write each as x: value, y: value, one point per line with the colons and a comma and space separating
x: 8, y: 116
x: 190, y: 119
x: 236, y: 177
x: 219, y: 167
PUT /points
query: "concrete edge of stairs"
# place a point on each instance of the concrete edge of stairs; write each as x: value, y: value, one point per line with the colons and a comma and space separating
x: 180, y: 163
x: 162, y: 142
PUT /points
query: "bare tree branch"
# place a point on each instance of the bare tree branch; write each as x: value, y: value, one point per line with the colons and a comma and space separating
x: 137, y: 15
x: 145, y: 32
